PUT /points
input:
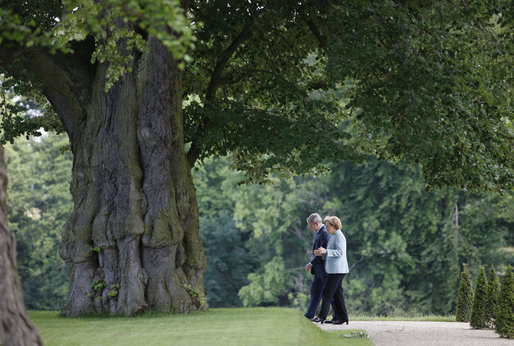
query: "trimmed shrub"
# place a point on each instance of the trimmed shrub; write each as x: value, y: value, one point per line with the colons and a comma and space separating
x: 493, y: 298
x: 465, y: 296
x: 478, y: 308
x: 505, y: 316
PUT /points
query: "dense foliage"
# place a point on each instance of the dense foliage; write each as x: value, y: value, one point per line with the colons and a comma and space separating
x: 465, y: 297
x: 427, y: 82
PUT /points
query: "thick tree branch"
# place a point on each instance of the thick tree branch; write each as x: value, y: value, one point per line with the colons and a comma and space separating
x: 217, y: 81
x: 65, y: 79
x: 214, y: 84
x: 314, y: 29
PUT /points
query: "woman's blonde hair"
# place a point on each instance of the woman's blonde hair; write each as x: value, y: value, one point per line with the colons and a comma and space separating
x: 333, y: 221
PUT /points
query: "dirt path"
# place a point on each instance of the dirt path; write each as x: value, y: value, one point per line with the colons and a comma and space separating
x: 396, y: 333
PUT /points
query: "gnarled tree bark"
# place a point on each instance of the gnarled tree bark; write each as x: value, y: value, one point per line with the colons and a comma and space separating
x: 132, y: 242
x: 15, y: 326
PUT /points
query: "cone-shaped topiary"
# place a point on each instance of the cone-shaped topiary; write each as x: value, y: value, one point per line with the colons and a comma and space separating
x: 478, y: 308
x: 493, y: 297
x: 505, y: 316
x: 465, y: 296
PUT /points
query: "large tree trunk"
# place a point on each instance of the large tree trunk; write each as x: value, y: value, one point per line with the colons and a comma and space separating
x: 132, y: 242
x: 15, y: 326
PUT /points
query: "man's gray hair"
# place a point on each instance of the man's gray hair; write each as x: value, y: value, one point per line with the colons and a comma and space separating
x: 314, y: 218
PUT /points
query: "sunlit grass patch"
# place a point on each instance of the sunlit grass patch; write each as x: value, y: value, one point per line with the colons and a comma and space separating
x: 254, y: 326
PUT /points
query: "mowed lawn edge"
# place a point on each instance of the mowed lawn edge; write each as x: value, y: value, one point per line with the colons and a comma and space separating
x: 238, y: 326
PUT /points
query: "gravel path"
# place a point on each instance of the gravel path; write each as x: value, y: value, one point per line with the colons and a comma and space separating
x: 396, y: 333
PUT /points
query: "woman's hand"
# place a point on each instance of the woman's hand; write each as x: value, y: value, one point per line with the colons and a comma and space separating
x: 320, y: 251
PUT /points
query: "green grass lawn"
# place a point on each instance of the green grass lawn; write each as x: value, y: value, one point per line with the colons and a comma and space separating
x: 255, y: 326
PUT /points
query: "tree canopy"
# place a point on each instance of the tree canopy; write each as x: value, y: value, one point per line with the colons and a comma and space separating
x: 286, y: 86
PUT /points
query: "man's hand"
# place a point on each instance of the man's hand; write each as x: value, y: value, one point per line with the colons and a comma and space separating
x: 308, y: 267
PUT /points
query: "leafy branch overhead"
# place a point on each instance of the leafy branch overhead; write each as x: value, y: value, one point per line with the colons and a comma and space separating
x: 286, y: 86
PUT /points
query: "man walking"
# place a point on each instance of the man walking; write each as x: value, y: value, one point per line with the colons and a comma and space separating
x: 317, y: 265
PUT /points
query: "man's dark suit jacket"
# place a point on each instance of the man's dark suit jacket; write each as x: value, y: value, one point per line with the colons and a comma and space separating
x: 318, y: 265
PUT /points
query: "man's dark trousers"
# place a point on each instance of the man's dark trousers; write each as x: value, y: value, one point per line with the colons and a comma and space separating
x: 320, y: 275
x: 318, y: 284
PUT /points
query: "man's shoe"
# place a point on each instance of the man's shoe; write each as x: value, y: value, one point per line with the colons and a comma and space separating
x: 330, y: 321
x: 337, y: 322
x: 315, y: 319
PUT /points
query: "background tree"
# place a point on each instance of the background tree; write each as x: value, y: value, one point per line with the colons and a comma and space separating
x: 493, y: 296
x: 429, y: 83
x: 275, y: 215
x: 15, y: 326
x: 486, y: 221
x: 478, y: 315
x: 505, y: 317
x: 40, y: 178
x: 465, y: 298
x: 229, y: 260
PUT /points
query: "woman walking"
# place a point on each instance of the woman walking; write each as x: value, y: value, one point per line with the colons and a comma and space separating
x: 336, y: 266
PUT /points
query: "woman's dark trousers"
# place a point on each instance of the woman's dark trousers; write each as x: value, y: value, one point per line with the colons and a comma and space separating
x: 334, y: 292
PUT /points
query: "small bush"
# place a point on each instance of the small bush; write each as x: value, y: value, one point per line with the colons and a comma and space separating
x: 465, y: 296
x: 493, y: 298
x: 505, y: 316
x: 478, y: 320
